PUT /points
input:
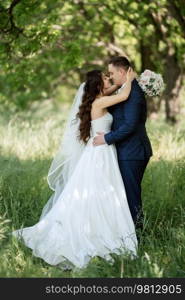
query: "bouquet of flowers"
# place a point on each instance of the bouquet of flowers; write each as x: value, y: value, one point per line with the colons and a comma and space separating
x: 151, y: 83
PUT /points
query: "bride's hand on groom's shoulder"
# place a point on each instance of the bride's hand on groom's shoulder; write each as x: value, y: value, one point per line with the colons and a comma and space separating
x: 131, y: 74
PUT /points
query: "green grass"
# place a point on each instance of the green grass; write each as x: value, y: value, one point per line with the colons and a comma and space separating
x: 29, y: 140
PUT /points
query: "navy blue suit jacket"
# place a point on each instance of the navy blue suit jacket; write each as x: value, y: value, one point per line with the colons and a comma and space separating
x: 128, y: 130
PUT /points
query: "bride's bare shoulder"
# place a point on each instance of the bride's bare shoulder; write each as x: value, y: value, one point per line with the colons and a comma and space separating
x: 96, y: 110
x: 97, y: 101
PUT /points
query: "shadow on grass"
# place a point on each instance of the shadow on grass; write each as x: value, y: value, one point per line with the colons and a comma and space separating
x: 164, y: 192
x: 23, y: 189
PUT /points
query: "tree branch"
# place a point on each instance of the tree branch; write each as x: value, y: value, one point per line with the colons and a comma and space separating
x: 13, y: 26
x: 174, y: 10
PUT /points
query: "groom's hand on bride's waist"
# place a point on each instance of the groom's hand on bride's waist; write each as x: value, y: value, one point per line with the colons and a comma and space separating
x: 99, y: 139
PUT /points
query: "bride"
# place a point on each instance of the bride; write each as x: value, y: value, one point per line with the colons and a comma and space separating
x: 88, y: 214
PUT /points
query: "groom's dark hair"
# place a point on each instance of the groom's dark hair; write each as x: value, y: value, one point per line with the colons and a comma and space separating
x: 120, y: 61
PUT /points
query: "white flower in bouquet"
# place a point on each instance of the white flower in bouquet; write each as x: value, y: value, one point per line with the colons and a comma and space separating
x: 151, y: 83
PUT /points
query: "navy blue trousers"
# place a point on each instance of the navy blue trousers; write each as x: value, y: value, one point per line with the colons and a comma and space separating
x: 132, y: 173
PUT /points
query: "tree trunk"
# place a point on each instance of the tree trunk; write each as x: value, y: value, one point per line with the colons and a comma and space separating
x: 147, y: 62
x: 173, y: 80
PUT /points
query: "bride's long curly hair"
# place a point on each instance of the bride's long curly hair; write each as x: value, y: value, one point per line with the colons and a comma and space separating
x: 93, y: 87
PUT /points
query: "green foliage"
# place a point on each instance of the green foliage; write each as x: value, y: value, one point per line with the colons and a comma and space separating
x: 45, y: 44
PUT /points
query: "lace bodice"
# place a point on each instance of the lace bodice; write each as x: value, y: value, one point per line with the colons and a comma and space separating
x: 101, y: 124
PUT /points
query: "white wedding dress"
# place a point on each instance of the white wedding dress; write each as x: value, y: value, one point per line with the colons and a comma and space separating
x: 91, y: 216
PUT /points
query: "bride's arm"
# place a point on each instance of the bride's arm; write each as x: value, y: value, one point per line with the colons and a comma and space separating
x: 110, y: 90
x: 107, y: 101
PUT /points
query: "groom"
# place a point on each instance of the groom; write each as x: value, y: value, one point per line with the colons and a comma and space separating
x: 130, y: 137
